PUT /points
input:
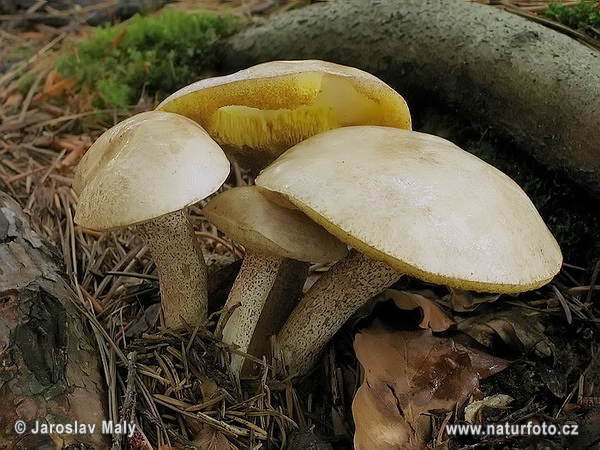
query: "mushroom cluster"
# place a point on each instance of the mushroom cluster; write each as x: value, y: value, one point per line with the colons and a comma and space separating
x: 270, y: 233
x: 408, y: 203
x: 339, y: 167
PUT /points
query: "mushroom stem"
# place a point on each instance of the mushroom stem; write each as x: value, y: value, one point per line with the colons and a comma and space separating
x: 181, y: 268
x: 327, y: 305
x: 248, y: 296
x: 282, y: 299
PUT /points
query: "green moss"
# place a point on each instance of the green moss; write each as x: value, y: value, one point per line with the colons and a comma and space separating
x: 155, y: 54
x: 584, y: 14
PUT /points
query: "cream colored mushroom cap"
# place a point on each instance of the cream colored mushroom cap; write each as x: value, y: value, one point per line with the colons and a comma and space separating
x: 259, y: 112
x: 422, y: 205
x: 149, y: 165
x: 251, y: 220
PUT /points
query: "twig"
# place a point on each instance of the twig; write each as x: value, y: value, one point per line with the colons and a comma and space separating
x: 8, y: 76
x: 564, y: 304
x: 133, y: 275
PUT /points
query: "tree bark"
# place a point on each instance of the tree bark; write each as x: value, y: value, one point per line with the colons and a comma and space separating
x: 49, y: 370
x: 536, y: 86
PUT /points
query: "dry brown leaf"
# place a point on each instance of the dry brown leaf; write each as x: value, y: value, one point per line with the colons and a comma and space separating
x: 408, y: 374
x: 464, y: 301
x: 139, y: 441
x: 210, y: 439
x: 380, y: 423
x: 431, y: 314
x: 485, y: 364
x: 209, y: 388
x: 518, y: 328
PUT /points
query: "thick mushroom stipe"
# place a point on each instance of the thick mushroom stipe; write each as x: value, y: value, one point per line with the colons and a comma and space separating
x: 282, y: 300
x: 181, y: 268
x: 329, y: 303
x: 247, y: 298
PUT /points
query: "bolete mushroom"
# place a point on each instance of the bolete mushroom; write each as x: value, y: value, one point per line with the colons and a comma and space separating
x: 409, y: 203
x: 270, y: 233
x: 145, y: 171
x: 258, y: 113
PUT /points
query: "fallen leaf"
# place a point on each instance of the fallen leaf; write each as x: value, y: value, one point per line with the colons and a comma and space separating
x: 210, y: 439
x: 431, y: 314
x: 143, y: 322
x: 464, y: 301
x: 484, y: 364
x: 380, y: 423
x: 139, y: 441
x: 516, y: 327
x: 209, y: 388
x: 407, y: 375
x: 474, y: 410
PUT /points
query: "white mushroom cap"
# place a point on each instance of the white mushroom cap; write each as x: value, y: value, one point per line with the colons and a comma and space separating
x: 259, y: 112
x: 149, y: 165
x: 420, y: 204
x: 251, y: 220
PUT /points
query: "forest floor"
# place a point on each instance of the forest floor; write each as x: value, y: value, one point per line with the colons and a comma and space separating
x: 547, y: 340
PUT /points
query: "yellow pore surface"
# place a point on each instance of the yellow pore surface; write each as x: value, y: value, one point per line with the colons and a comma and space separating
x: 421, y: 204
x: 259, y: 112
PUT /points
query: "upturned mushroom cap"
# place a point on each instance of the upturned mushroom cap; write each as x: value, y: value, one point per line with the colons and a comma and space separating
x: 250, y: 219
x: 420, y: 204
x: 259, y: 112
x: 149, y: 165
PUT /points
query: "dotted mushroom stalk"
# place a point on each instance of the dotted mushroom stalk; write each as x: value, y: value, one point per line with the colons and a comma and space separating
x: 328, y: 304
x: 284, y: 296
x: 181, y: 268
x: 247, y: 298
